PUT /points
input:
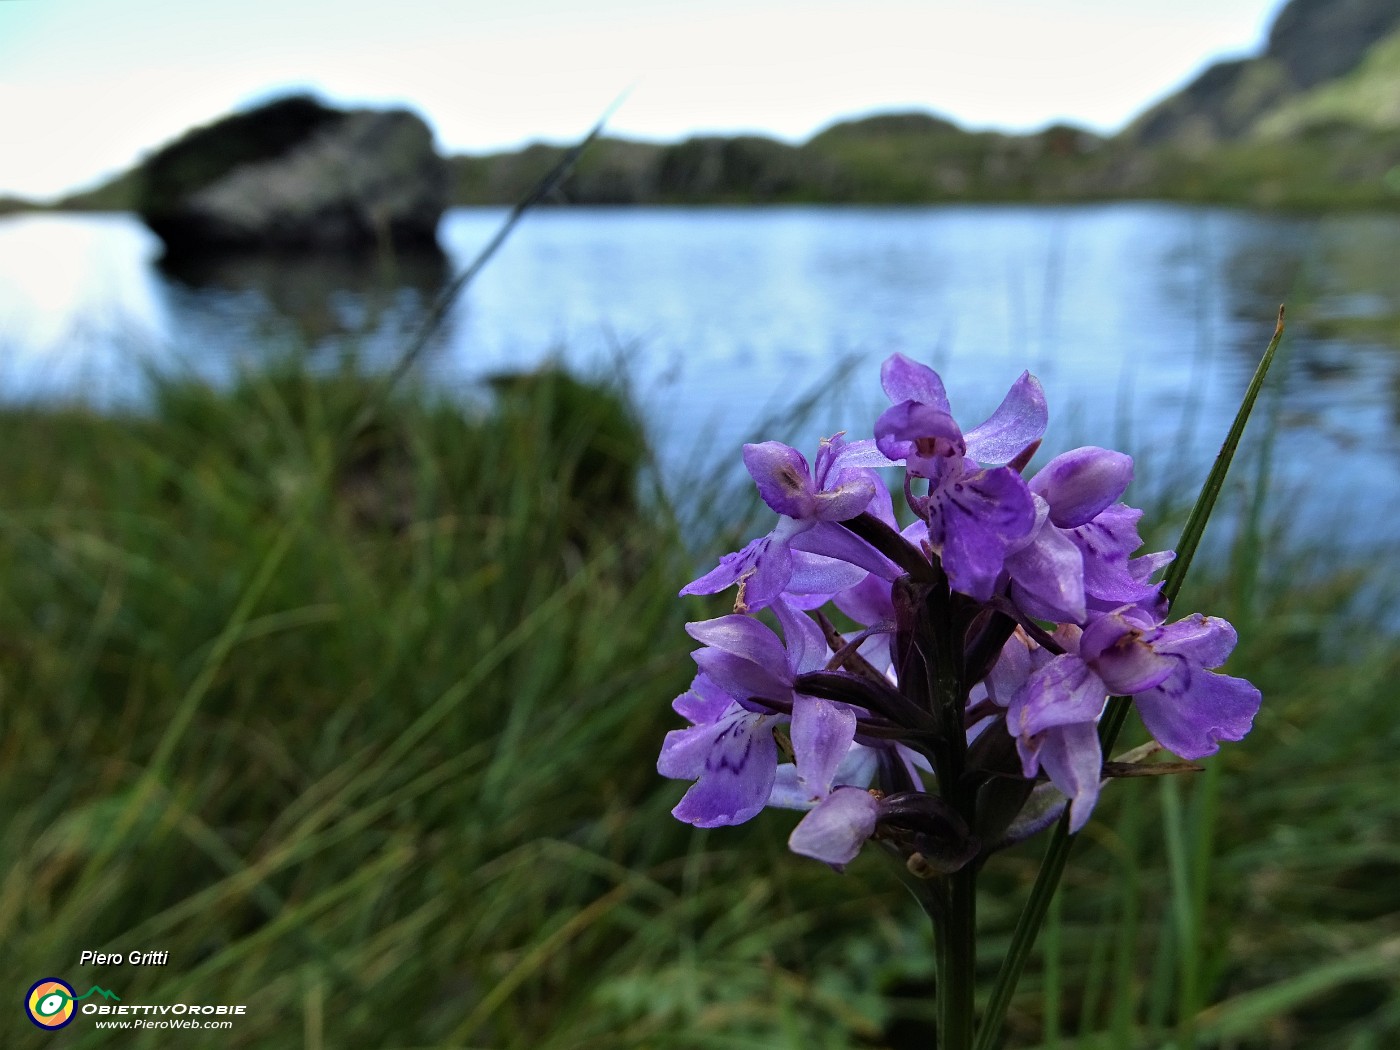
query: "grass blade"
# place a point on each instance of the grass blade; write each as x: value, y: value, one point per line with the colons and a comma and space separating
x: 1057, y: 853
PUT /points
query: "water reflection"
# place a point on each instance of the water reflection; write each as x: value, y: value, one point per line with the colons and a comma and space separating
x: 321, y: 304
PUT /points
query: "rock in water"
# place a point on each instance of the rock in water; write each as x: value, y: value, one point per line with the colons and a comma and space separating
x: 295, y: 174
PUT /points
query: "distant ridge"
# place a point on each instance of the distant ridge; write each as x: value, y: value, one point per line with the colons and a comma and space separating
x: 1311, y: 122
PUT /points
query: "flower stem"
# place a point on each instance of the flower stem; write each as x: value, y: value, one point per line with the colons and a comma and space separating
x: 957, y: 949
x: 957, y: 936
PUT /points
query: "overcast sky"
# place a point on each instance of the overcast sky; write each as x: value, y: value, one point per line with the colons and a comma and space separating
x: 88, y: 86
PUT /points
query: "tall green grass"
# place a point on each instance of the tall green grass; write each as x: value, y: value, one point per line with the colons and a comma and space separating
x: 358, y: 720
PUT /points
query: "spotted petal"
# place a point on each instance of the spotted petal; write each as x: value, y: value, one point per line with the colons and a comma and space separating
x: 784, y: 480
x: 1063, y: 692
x: 734, y: 762
x: 973, y: 520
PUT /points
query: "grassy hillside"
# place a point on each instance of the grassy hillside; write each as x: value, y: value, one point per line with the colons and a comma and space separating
x: 900, y: 158
x: 1367, y: 98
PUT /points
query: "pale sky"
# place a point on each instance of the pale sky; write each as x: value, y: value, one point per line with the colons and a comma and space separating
x: 88, y: 86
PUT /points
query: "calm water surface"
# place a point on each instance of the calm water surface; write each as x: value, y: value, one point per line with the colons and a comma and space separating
x: 1143, y: 321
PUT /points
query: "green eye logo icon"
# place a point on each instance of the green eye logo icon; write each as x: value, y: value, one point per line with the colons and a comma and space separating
x: 50, y: 1003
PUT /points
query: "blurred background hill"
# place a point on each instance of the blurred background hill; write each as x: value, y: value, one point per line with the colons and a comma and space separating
x: 1312, y: 121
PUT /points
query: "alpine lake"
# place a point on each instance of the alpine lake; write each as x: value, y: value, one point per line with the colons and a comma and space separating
x: 1144, y: 322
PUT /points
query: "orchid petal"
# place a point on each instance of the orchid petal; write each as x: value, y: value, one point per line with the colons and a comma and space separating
x: 1073, y: 760
x: 868, y: 602
x: 835, y: 830
x: 761, y: 569
x: 805, y: 645
x: 784, y: 480
x: 906, y: 380
x: 1018, y: 423
x: 1123, y: 653
x: 1081, y: 484
x: 1062, y: 692
x: 1106, y: 542
x: 1195, y: 709
x: 905, y: 426
x: 789, y: 792
x: 833, y: 541
x: 1205, y: 640
x: 704, y: 702
x: 1048, y: 573
x: 850, y: 493
x: 742, y: 678
x: 818, y: 577
x: 731, y: 568
x: 857, y: 769
x: 1011, y: 670
x: 863, y: 453
x: 973, y: 520
x: 737, y: 762
x: 743, y: 636
x: 822, y: 734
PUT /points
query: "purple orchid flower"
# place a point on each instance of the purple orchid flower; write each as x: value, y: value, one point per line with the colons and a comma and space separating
x: 1054, y: 718
x: 1167, y: 670
x: 837, y: 827
x: 1077, y: 557
x: 1061, y: 748
x: 1113, y: 579
x: 732, y: 760
x: 977, y: 507
x: 729, y: 750
x: 1059, y: 548
x: 829, y: 778
x: 807, y: 553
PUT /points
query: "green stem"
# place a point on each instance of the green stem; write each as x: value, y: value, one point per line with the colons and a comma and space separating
x: 957, y: 934
x: 1061, y: 841
x: 957, y: 1019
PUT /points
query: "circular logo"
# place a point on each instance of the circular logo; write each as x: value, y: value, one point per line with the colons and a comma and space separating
x: 50, y: 1003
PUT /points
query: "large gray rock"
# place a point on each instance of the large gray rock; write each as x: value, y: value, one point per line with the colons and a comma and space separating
x: 295, y: 174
